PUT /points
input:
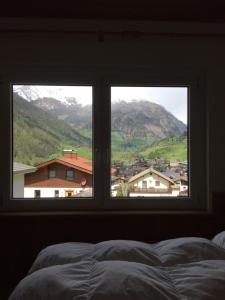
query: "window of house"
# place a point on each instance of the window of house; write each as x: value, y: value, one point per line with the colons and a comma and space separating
x: 52, y: 173
x: 37, y: 193
x: 113, y: 129
x: 144, y: 184
x: 56, y: 193
x: 69, y: 174
x: 157, y: 183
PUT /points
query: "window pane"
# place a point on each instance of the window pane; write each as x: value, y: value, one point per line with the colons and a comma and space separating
x: 52, y: 173
x: 149, y: 148
x: 52, y: 141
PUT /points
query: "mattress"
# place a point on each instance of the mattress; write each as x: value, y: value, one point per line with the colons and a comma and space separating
x: 182, y: 268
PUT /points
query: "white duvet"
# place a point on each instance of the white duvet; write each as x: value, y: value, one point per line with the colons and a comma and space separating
x: 183, y: 268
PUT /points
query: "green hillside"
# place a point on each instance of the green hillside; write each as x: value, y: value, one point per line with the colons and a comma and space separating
x: 38, y: 135
x: 173, y: 148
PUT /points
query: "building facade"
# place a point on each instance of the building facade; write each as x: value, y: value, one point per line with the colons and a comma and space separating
x: 60, y: 177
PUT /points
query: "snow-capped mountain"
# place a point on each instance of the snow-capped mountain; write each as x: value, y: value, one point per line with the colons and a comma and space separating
x: 63, y: 94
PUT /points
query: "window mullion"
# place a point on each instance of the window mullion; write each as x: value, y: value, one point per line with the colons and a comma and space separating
x: 101, y: 130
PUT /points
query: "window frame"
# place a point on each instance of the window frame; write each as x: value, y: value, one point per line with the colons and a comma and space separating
x: 101, y: 80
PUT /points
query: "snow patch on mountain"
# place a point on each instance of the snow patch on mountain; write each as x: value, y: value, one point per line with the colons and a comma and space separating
x: 69, y: 95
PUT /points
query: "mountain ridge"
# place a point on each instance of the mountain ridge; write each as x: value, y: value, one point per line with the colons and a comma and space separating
x: 152, y: 121
x: 49, y: 124
x: 38, y: 134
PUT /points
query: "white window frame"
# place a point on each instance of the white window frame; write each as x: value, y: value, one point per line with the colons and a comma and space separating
x: 102, y: 79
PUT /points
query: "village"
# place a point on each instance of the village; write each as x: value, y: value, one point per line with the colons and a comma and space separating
x: 71, y: 175
x: 149, y: 177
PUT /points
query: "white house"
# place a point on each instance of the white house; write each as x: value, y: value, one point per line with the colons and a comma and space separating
x: 19, y: 170
x: 152, y: 183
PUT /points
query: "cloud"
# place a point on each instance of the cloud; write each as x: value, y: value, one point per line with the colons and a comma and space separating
x: 173, y: 99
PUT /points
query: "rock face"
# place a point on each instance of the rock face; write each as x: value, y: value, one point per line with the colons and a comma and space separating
x: 144, y: 119
x: 136, y: 119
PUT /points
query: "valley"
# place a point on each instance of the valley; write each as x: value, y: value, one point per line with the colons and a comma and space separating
x: 44, y: 127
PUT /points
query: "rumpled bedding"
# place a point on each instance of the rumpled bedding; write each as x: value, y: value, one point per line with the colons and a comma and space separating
x: 183, y: 268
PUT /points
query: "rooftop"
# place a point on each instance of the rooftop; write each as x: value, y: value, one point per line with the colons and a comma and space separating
x: 19, y: 168
x: 73, y: 161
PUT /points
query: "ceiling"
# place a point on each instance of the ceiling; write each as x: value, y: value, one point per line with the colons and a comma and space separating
x: 152, y: 10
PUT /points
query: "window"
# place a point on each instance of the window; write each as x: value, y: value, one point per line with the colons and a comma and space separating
x: 56, y: 193
x: 37, y: 193
x: 110, y: 139
x: 52, y: 130
x: 52, y: 173
x: 144, y: 184
x: 149, y: 131
x: 69, y: 174
x: 68, y: 193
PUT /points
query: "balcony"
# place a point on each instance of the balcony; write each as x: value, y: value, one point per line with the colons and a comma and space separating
x: 150, y: 190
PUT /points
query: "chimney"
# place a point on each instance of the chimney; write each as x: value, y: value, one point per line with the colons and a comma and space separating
x: 69, y: 153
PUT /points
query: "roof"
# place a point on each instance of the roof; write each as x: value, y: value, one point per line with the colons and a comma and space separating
x: 19, y: 168
x: 170, y: 173
x: 146, y: 172
x: 79, y: 163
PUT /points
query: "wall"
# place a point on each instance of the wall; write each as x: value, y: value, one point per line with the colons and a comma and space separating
x: 50, y: 192
x: 189, y: 48
x: 18, y: 185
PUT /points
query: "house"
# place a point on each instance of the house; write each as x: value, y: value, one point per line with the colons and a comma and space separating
x: 152, y: 183
x: 19, y: 171
x: 60, y: 177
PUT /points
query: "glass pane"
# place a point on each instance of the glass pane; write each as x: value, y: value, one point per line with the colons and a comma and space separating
x: 52, y: 141
x: 149, y: 148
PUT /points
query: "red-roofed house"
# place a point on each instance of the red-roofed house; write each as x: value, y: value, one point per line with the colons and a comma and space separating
x: 60, y: 177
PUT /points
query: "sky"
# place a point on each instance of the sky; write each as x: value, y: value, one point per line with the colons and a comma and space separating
x: 173, y: 99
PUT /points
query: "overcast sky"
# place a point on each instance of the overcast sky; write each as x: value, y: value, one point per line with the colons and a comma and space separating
x: 174, y: 99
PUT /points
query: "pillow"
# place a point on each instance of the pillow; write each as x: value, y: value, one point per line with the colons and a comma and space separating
x: 60, y: 254
x: 126, y: 250
x: 219, y: 239
x: 187, y: 250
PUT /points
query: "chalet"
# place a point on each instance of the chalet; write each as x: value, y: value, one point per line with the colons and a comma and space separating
x: 152, y: 183
x: 60, y: 177
x: 19, y: 171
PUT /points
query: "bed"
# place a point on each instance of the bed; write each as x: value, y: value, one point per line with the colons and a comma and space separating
x: 182, y: 268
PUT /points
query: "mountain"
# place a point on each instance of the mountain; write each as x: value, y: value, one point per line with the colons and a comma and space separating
x: 69, y: 110
x: 144, y: 119
x: 38, y: 134
x: 54, y: 123
x: 130, y: 120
